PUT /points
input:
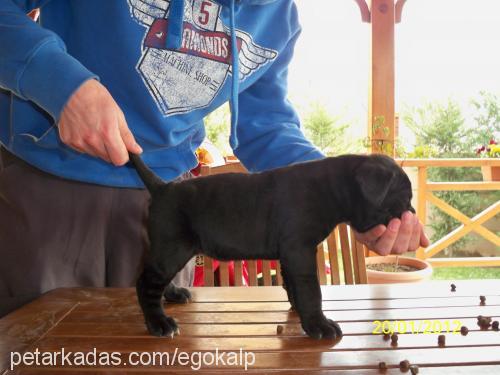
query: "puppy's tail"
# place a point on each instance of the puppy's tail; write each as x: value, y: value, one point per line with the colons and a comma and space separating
x: 150, y: 179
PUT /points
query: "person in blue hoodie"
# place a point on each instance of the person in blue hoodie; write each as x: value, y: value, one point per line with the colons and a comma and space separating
x: 89, y: 82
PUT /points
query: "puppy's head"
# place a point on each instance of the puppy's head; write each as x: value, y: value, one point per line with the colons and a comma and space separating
x: 382, y: 192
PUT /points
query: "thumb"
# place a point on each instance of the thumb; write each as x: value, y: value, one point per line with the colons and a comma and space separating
x: 128, y: 138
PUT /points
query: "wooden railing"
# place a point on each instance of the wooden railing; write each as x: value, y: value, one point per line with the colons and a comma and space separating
x: 425, y: 194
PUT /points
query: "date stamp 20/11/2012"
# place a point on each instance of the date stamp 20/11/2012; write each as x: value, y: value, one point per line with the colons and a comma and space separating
x: 416, y: 326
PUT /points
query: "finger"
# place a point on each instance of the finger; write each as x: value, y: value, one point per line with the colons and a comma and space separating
x: 127, y: 136
x: 404, y: 234
x: 80, y: 150
x: 96, y: 148
x: 385, y: 243
x: 424, y: 240
x: 116, y: 150
x: 415, y: 236
x: 372, y: 235
x: 79, y: 146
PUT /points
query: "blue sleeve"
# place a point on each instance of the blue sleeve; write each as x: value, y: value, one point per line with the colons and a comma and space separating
x: 268, y: 129
x: 34, y: 63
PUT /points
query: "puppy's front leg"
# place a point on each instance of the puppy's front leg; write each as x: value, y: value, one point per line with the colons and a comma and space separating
x: 302, y: 283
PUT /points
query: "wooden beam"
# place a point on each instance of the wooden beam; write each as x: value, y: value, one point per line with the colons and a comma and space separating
x: 365, y: 11
x: 455, y: 162
x: 399, y: 10
x: 381, y: 111
x: 453, y: 212
x: 465, y: 262
x: 462, y: 230
x: 422, y: 203
x: 463, y: 186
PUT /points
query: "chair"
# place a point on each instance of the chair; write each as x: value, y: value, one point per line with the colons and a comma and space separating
x: 340, y: 243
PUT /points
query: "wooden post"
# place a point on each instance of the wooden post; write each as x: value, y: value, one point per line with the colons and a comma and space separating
x: 381, y: 112
x: 422, y: 203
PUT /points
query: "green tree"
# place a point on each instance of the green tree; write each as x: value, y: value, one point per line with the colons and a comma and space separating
x: 327, y: 132
x: 440, y: 127
x: 487, y: 118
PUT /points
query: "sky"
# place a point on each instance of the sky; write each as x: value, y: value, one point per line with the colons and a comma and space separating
x: 444, y: 49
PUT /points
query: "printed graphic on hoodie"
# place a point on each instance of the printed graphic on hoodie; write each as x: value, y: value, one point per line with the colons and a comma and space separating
x: 190, y: 78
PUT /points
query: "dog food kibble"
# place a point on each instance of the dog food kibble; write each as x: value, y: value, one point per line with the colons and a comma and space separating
x: 494, y: 325
x: 394, y: 339
x: 279, y: 329
x: 404, y: 365
x: 464, y: 330
x: 387, y: 337
x: 414, y: 369
x: 453, y: 287
x: 479, y: 320
x: 484, y: 322
x: 482, y: 300
x: 441, y: 340
x: 382, y: 366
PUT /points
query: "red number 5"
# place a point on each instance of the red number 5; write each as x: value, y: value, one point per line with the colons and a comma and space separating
x: 204, y: 19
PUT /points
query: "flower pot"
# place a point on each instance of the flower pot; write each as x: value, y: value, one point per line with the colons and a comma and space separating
x: 491, y: 173
x: 423, y: 273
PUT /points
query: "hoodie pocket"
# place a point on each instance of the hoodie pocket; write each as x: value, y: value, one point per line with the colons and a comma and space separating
x: 49, y: 139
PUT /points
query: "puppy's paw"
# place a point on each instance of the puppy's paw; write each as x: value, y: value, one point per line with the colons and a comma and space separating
x: 162, y: 325
x: 322, y: 328
x: 177, y: 295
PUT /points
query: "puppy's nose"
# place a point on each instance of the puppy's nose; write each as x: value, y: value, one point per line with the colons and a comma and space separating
x: 411, y: 209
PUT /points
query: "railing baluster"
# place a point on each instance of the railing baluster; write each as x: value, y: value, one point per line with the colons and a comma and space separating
x: 422, y: 202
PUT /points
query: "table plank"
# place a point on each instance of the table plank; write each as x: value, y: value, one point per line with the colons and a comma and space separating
x: 27, y: 325
x: 459, y: 370
x: 314, y: 360
x: 113, y: 329
x: 290, y: 316
x: 259, y: 344
x: 400, y: 303
x: 435, y: 289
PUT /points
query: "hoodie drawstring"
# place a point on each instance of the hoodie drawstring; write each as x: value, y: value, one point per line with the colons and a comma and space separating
x: 174, y: 42
x: 175, y: 25
x: 233, y: 139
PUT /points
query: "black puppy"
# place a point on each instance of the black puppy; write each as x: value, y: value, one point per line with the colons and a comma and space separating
x: 280, y: 214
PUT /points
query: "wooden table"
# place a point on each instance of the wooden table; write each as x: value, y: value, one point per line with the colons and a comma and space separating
x: 233, y: 318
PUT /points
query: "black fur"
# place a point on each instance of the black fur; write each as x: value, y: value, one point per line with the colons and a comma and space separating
x: 280, y: 214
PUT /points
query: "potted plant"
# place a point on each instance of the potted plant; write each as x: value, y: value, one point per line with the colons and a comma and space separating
x: 396, y: 269
x: 492, y: 150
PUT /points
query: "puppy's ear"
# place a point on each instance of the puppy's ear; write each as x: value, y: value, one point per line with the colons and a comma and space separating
x: 374, y: 180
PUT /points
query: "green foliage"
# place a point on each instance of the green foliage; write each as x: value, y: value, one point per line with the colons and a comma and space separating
x: 487, y: 119
x: 440, y: 127
x: 441, y: 131
x: 327, y: 132
x: 465, y: 273
x: 324, y: 130
x: 217, y: 125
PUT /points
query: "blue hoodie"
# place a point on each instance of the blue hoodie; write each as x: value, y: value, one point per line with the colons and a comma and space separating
x: 167, y: 63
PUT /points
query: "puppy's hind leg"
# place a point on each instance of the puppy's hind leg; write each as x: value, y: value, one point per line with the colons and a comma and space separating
x: 303, y: 284
x: 162, y: 263
x: 287, y: 286
x: 176, y: 294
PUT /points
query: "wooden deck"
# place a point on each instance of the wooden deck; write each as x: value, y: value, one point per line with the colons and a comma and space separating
x: 230, y: 319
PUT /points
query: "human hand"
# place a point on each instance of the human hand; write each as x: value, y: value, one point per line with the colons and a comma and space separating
x: 400, y: 236
x: 92, y: 123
